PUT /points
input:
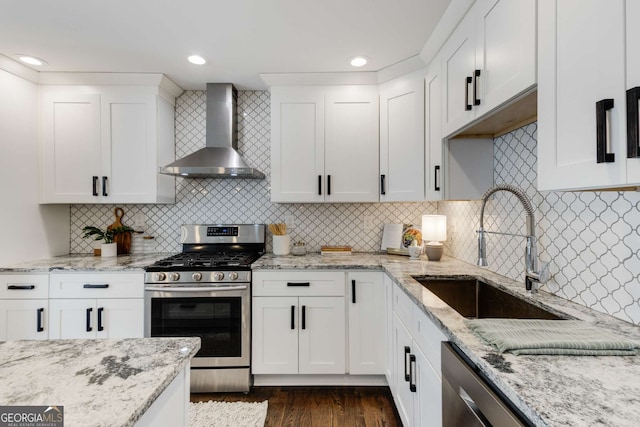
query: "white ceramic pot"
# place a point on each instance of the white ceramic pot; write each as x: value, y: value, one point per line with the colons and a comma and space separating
x: 281, y: 245
x: 109, y: 250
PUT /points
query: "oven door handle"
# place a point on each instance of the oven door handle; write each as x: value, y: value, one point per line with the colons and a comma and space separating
x: 196, y: 288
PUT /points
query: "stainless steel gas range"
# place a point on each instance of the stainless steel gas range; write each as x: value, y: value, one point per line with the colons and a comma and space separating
x: 205, y: 292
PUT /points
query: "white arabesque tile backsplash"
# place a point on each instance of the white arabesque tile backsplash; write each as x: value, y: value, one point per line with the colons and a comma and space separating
x: 244, y: 200
x: 591, y: 239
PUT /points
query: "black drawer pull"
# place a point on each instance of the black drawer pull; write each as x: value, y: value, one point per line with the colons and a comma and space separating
x: 476, y: 75
x: 298, y: 284
x: 89, y: 328
x: 319, y: 185
x: 602, y: 136
x: 328, y: 185
x: 304, y: 317
x: 633, y: 127
x: 104, y: 186
x: 412, y: 373
x: 39, y: 313
x: 95, y: 186
x: 436, y: 175
x: 353, y: 291
x: 293, y: 317
x: 20, y: 287
x: 407, y: 350
x: 95, y: 286
x: 100, y: 311
x: 383, y: 190
x: 467, y: 82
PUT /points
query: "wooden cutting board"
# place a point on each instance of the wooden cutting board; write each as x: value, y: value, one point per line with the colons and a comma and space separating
x: 123, y: 239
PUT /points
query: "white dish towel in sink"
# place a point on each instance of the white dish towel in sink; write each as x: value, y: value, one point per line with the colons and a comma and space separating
x: 561, y: 337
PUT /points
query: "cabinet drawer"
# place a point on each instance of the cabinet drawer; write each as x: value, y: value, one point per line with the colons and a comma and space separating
x: 99, y: 285
x: 428, y: 337
x: 298, y: 283
x: 24, y: 286
x: 403, y: 307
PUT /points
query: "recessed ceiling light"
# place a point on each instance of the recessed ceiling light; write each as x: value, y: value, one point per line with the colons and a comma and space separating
x: 31, y: 60
x: 358, y: 61
x: 196, y: 59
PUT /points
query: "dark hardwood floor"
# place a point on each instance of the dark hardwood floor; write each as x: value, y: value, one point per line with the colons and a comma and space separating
x: 319, y: 406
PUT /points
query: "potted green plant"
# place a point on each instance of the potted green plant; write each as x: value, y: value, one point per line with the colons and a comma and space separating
x: 109, y: 248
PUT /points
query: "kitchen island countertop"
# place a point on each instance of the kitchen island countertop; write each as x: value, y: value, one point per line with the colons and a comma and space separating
x: 549, y: 390
x: 98, y: 382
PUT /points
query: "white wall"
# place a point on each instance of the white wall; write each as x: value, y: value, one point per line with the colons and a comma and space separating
x: 29, y: 230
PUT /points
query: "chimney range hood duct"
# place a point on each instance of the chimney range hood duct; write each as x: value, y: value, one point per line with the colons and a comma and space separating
x: 219, y: 158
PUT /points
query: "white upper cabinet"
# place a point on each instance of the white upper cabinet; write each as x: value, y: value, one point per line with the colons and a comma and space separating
x: 102, y: 144
x: 433, y: 131
x: 489, y: 59
x: 402, y: 143
x: 585, y: 75
x: 324, y: 144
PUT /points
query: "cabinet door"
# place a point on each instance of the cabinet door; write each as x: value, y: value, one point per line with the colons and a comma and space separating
x: 581, y: 58
x: 72, y: 318
x: 119, y: 318
x: 366, y: 305
x: 403, y: 346
x: 274, y: 335
x: 390, y: 349
x: 23, y: 319
x: 128, y: 157
x: 297, y: 144
x: 402, y: 141
x: 505, y: 50
x: 428, y: 394
x: 351, y: 144
x: 433, y: 131
x: 70, y: 148
x: 458, y: 65
x: 322, y: 335
x: 633, y: 74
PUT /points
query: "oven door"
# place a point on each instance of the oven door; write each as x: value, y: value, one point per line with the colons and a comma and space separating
x: 217, y: 313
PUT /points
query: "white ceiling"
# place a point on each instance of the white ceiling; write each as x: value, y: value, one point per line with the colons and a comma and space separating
x: 239, y: 38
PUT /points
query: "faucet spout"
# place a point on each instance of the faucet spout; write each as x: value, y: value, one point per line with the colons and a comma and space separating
x: 532, y: 273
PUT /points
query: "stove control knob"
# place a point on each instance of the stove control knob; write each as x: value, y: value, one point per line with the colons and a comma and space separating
x: 197, y: 276
x: 233, y: 275
x: 218, y: 276
x: 160, y: 276
x: 175, y: 276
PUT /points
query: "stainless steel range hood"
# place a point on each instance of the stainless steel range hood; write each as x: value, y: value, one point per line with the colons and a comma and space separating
x: 219, y: 158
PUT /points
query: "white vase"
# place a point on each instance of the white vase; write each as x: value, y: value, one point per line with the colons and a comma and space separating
x: 281, y: 245
x: 109, y: 249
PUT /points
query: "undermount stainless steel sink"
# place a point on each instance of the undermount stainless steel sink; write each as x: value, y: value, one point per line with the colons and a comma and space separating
x: 476, y: 299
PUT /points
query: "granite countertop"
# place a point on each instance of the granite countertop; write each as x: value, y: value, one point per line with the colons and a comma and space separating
x: 98, y: 382
x: 549, y: 390
x: 85, y: 262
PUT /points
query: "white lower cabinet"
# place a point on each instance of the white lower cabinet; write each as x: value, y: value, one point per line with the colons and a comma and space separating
x: 96, y: 305
x: 416, y: 374
x: 366, y: 305
x: 24, y: 307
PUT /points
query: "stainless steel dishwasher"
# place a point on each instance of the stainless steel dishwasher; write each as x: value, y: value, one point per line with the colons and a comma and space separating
x: 468, y: 400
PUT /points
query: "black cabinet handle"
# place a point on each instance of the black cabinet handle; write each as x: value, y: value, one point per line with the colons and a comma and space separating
x: 304, y: 317
x: 298, y: 284
x: 467, y: 82
x: 319, y: 185
x: 382, y: 189
x: 89, y: 328
x: 95, y: 186
x: 633, y: 127
x: 95, y: 286
x: 476, y: 100
x: 100, y: 327
x: 39, y: 313
x: 353, y: 291
x: 293, y: 317
x: 436, y: 174
x: 104, y: 186
x: 328, y: 185
x: 602, y: 156
x: 21, y: 287
x: 412, y: 374
x: 407, y: 350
